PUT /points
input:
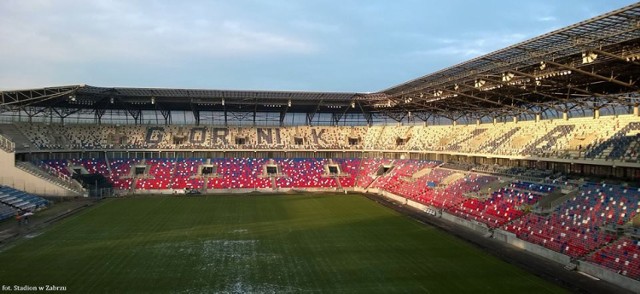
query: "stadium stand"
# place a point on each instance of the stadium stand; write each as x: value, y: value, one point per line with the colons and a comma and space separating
x: 6, y: 211
x: 621, y: 256
x: 502, y: 206
x: 577, y: 227
x: 477, y: 157
x: 616, y: 138
x: 21, y: 200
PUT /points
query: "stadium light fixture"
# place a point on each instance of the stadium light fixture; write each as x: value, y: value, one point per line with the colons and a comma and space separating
x: 289, y: 103
x: 507, y: 76
x: 153, y: 100
x: 222, y: 101
x: 480, y: 83
x: 353, y: 105
x: 633, y: 57
x: 72, y: 98
x: 543, y: 65
x: 111, y: 100
x: 456, y: 87
x: 588, y: 57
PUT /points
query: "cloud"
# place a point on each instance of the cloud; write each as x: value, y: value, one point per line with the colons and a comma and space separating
x: 546, y: 18
x: 113, y: 30
x: 308, y: 25
x: 469, y: 47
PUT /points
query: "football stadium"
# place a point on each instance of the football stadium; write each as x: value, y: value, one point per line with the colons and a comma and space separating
x: 517, y: 171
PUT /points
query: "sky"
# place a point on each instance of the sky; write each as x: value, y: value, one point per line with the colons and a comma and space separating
x: 305, y: 45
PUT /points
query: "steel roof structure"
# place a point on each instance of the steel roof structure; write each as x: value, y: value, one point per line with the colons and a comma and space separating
x: 588, y: 65
x: 593, y: 63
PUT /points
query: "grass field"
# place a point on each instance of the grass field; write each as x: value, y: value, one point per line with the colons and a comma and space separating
x: 255, y: 244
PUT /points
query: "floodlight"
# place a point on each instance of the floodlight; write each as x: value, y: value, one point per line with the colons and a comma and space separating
x: 507, y: 76
x: 588, y: 57
x: 543, y: 65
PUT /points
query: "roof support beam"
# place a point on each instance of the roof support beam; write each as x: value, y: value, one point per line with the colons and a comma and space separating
x: 255, y: 110
x: 570, y: 88
x: 605, y: 53
x: 283, y: 113
x: 196, y: 114
x: 524, y: 91
x: 423, y: 106
x: 98, y: 113
x: 397, y: 116
x: 342, y: 114
x: 367, y: 114
x: 311, y: 115
x: 424, y: 116
x: 487, y: 100
x: 166, y: 114
x: 594, y: 75
x: 34, y: 96
x: 136, y: 114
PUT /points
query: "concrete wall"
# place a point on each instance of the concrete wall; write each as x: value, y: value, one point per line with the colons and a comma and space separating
x: 236, y: 191
x: 14, y: 177
x: 393, y: 197
x: 481, y: 228
x: 534, y: 248
x: 471, y: 224
x: 609, y: 276
x: 417, y: 205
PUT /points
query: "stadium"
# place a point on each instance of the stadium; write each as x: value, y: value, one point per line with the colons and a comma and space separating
x: 516, y: 171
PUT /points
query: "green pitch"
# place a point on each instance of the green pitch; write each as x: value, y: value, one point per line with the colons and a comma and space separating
x: 255, y: 244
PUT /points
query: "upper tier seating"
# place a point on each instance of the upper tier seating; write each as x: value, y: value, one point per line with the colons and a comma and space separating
x: 606, y: 138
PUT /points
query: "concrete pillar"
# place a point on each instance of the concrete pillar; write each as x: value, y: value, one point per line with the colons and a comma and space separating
x: 515, y: 119
x: 596, y: 113
x: 455, y: 123
x: 636, y: 110
x: 537, y: 117
x: 477, y: 122
x: 565, y: 115
x: 495, y: 120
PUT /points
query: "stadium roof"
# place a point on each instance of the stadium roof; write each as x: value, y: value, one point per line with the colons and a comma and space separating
x: 591, y: 64
x: 596, y: 60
